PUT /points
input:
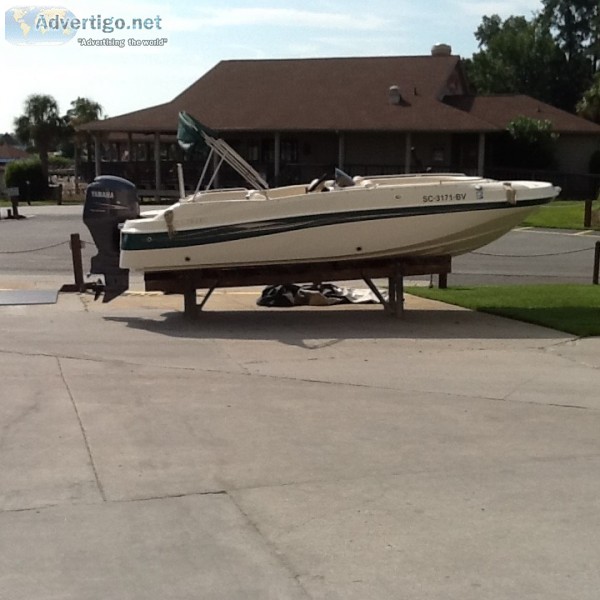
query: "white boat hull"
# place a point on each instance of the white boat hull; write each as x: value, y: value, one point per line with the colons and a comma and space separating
x: 430, y: 216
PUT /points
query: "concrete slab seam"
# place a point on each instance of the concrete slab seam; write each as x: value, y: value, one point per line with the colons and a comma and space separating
x: 83, y: 433
x: 280, y: 556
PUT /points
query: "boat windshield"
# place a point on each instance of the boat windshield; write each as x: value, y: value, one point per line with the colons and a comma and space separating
x: 342, y: 179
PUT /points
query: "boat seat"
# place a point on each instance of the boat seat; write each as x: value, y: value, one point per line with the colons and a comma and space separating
x: 362, y: 182
x: 366, y: 183
x: 255, y: 195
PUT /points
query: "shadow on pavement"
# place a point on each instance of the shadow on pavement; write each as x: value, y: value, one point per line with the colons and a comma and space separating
x: 295, y: 325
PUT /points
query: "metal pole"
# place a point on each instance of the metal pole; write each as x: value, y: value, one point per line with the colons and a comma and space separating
x: 596, y: 263
x: 180, y: 181
x: 587, y: 214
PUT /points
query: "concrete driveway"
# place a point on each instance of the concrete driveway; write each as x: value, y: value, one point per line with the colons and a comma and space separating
x: 304, y: 453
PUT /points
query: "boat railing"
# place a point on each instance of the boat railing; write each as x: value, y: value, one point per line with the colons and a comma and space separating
x: 422, y: 176
x: 217, y: 194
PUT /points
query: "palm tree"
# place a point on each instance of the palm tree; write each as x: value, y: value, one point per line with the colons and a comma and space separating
x: 40, y: 126
x: 83, y: 110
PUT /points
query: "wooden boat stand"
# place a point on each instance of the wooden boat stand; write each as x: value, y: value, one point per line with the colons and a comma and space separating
x: 187, y: 281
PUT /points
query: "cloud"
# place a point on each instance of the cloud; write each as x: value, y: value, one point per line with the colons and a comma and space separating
x: 280, y: 17
x: 504, y: 8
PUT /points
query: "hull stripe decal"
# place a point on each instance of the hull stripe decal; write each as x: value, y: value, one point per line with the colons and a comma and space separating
x: 239, y: 231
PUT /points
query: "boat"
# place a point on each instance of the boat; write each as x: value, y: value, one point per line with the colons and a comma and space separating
x: 336, y: 217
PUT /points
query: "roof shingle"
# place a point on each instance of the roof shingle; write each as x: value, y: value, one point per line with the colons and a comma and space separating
x: 338, y: 94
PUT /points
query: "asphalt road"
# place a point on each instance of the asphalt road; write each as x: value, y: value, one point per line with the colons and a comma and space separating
x: 38, y: 245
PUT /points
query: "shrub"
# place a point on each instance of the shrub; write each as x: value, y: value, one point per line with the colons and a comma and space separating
x: 533, y: 142
x: 19, y: 172
x: 59, y: 162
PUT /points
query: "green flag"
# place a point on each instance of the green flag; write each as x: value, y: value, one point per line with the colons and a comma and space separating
x: 189, y: 131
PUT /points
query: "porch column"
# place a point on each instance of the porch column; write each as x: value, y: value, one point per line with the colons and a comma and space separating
x: 481, y: 155
x: 341, y: 150
x: 157, y: 166
x: 97, y: 157
x: 129, y: 146
x: 407, y: 152
x: 276, y: 157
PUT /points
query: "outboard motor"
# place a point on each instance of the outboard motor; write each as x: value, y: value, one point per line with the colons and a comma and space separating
x: 109, y: 201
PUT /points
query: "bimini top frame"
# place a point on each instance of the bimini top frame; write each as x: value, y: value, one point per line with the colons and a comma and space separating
x: 191, y: 132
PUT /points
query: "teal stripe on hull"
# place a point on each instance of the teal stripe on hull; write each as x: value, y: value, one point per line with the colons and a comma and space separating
x: 239, y: 231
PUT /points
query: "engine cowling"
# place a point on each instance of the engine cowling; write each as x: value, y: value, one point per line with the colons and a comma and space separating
x: 109, y: 202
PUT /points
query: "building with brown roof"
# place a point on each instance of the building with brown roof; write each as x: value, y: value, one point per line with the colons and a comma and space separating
x: 293, y: 119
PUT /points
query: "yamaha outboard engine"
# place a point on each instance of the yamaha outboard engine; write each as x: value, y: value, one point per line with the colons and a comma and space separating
x: 109, y: 201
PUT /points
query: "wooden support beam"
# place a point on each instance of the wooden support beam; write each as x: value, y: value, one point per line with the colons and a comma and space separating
x: 186, y: 282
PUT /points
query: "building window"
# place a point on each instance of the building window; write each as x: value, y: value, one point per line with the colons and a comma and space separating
x: 289, y: 151
x: 253, y: 153
x: 268, y: 151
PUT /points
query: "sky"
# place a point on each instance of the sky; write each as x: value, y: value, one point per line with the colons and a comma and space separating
x: 192, y: 37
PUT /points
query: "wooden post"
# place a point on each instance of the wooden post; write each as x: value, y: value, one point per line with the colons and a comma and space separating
x: 587, y: 214
x: 596, y: 263
x: 77, y: 261
x: 396, y: 291
x: 13, y: 196
x: 97, y: 155
x: 76, y: 167
x: 399, y: 277
x: 190, y: 306
x: 391, y: 305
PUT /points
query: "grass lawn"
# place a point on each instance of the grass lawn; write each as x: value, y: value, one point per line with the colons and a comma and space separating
x: 571, y: 308
x: 560, y: 214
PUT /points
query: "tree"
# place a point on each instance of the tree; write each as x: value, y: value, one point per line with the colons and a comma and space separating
x: 40, y: 126
x: 83, y: 110
x: 589, y: 106
x: 518, y: 56
x: 577, y: 27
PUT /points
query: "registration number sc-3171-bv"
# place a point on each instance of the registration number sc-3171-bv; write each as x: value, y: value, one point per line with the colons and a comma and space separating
x: 444, y: 197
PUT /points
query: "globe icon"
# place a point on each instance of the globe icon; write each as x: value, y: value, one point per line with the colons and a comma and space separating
x: 38, y: 25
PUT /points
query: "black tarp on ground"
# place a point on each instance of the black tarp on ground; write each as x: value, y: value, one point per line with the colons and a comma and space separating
x: 324, y: 294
